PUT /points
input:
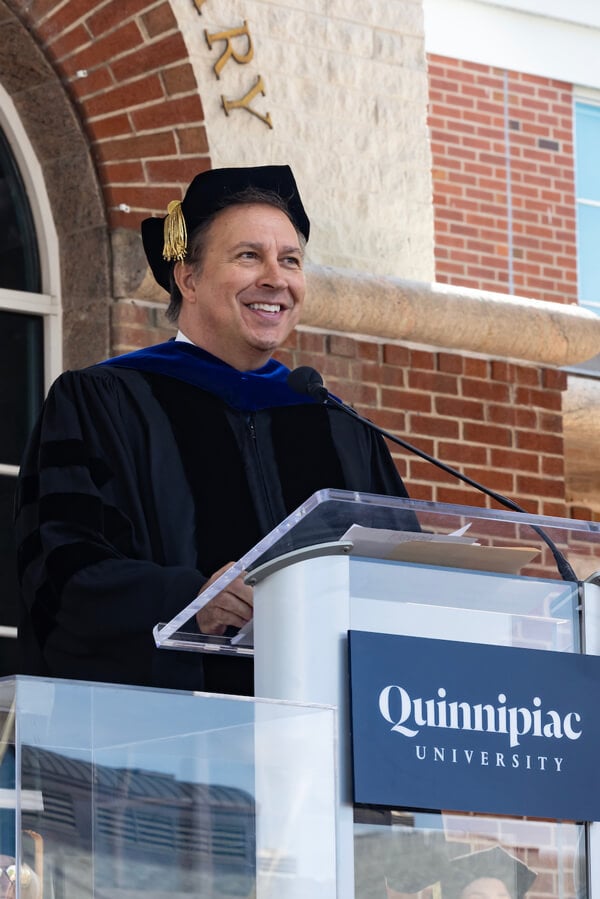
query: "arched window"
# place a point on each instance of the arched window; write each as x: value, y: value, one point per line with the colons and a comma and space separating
x: 30, y: 341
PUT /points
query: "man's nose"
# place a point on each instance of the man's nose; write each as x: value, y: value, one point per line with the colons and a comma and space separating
x: 272, y: 274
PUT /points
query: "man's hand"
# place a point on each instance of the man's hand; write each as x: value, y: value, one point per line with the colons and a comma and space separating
x: 233, y: 607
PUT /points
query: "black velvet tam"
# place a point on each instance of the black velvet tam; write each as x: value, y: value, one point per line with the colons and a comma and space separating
x: 208, y: 193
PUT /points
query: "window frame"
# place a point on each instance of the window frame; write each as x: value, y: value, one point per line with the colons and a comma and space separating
x: 588, y: 97
x: 46, y: 304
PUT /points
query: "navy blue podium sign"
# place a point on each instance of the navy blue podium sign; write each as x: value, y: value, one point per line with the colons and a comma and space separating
x: 438, y: 724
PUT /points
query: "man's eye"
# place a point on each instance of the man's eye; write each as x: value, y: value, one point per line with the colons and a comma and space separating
x: 293, y: 260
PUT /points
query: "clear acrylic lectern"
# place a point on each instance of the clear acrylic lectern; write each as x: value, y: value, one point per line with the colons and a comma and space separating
x: 353, y: 561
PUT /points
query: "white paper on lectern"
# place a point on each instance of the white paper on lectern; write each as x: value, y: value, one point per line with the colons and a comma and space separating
x: 451, y: 550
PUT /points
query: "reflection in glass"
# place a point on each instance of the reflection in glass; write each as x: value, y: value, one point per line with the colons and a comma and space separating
x: 19, y: 261
x: 21, y: 381
x: 452, y: 856
x: 158, y: 793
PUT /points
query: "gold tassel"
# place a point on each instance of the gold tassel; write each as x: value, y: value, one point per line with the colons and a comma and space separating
x: 175, y: 232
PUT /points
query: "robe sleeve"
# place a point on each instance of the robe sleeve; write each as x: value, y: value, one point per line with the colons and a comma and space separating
x: 94, y: 560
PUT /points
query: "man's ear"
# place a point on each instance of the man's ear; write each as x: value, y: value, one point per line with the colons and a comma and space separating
x: 184, y: 278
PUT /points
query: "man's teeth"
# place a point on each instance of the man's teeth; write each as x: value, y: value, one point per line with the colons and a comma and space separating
x: 266, y: 307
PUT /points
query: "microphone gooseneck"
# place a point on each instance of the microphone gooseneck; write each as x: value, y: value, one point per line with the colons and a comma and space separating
x: 308, y: 381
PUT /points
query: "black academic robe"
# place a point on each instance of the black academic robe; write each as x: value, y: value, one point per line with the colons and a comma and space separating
x: 139, y: 481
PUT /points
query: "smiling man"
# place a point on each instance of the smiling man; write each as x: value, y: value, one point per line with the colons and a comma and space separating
x: 148, y: 474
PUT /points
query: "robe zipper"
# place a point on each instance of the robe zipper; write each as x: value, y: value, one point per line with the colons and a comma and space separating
x: 260, y: 470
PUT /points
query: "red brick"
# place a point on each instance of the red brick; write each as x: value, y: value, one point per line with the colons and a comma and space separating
x: 433, y: 426
x: 500, y: 481
x: 369, y: 350
x: 312, y: 342
x: 387, y: 375
x: 456, y: 407
x: 554, y: 379
x: 141, y: 197
x: 192, y: 140
x: 341, y: 346
x: 485, y: 390
x: 112, y: 14
x: 461, y: 496
x: 361, y: 395
x: 502, y: 371
x: 390, y: 421
x: 159, y: 20
x: 503, y: 415
x: 558, y: 510
x: 422, y: 492
x: 488, y: 434
x: 422, y: 470
x: 131, y: 313
x: 123, y: 172
x: 527, y: 375
x: 58, y: 20
x: 67, y: 42
x: 124, y: 96
x: 179, y: 79
x: 553, y: 466
x: 407, y: 400
x: 130, y: 337
x: 164, y: 171
x: 462, y: 453
x: 146, y: 145
x: 475, y: 368
x: 450, y: 362
x: 154, y: 56
x: 527, y: 484
x: 125, y: 38
x: 396, y: 355
x: 286, y: 357
x: 422, y: 359
x: 335, y: 367
x: 112, y: 126
x: 537, y: 442
x: 168, y: 112
x: 526, y: 396
x: 97, y: 80
x: 518, y: 461
x: 436, y: 382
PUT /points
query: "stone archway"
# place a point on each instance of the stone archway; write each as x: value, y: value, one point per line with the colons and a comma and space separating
x: 111, y: 105
x: 74, y: 194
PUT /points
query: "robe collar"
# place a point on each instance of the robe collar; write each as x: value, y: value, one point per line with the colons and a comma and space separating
x: 246, y: 391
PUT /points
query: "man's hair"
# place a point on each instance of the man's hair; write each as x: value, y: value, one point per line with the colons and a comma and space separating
x: 197, y: 239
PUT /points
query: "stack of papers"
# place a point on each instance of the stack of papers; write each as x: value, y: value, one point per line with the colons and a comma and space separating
x: 454, y: 550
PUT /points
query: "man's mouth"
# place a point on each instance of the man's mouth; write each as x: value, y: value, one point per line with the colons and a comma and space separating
x: 266, y: 307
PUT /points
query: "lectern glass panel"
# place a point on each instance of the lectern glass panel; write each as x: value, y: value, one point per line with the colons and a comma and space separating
x: 119, y: 792
x: 417, y: 533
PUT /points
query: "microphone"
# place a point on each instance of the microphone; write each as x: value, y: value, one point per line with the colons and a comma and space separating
x: 308, y: 381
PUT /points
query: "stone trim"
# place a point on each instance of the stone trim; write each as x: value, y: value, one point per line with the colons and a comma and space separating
x: 457, y: 318
x: 440, y: 315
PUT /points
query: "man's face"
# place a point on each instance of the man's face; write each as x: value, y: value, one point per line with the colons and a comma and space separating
x: 245, y: 298
x: 486, y: 888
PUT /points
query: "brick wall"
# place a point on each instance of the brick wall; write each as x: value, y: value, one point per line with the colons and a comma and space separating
x: 126, y: 67
x: 503, y: 176
x: 499, y: 423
